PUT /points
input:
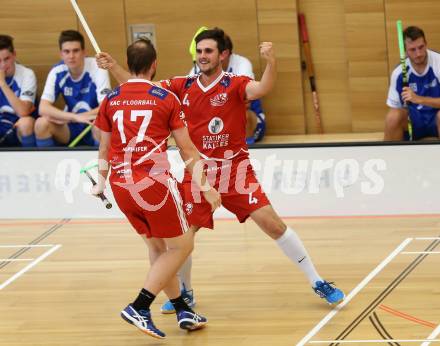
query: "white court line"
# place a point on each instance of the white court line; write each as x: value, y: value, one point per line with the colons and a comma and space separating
x: 29, y: 266
x: 382, y: 341
x: 436, y: 238
x: 419, y: 252
x: 27, y: 245
x: 432, y: 337
x: 354, y: 292
x: 15, y: 259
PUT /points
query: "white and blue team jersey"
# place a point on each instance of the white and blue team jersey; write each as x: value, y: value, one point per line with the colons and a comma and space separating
x: 82, y: 94
x: 24, y: 84
x: 425, y: 84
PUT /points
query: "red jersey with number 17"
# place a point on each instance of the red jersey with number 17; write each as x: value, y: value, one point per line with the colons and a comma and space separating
x: 139, y: 116
x: 216, y: 114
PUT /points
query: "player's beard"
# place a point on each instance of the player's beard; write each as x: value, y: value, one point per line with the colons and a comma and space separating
x: 209, y: 71
x: 421, y: 61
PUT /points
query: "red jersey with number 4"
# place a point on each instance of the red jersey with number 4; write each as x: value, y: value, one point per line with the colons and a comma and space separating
x: 216, y: 114
x: 140, y: 117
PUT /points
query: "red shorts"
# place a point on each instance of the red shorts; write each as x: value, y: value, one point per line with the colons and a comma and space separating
x: 156, y: 210
x: 239, y: 188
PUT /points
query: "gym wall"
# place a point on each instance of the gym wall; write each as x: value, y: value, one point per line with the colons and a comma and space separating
x: 353, y: 42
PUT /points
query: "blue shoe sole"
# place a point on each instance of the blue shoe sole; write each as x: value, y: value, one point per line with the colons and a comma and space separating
x: 167, y: 312
x: 172, y: 311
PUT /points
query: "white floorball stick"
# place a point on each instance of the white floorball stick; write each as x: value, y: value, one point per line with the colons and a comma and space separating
x: 85, y: 26
x: 97, y: 50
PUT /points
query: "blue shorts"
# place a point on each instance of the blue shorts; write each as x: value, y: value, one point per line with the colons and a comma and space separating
x: 8, y: 135
x: 424, y: 124
x: 75, y: 129
x: 260, y: 129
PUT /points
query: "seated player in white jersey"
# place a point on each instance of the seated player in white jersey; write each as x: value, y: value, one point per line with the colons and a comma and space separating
x: 241, y: 66
x: 83, y: 86
x: 421, y: 98
x: 136, y: 120
x: 18, y: 88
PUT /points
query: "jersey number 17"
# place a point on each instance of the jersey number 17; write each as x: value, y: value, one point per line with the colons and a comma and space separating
x: 134, y: 114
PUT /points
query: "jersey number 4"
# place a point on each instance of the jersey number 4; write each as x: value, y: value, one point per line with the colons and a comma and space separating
x: 134, y: 114
x: 185, y: 100
x: 252, y: 199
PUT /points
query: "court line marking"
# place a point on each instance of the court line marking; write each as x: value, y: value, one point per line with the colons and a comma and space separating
x: 354, y: 292
x: 428, y: 238
x: 28, y: 245
x: 36, y: 241
x: 407, y: 316
x: 29, y: 266
x: 312, y: 217
x: 382, y: 296
x: 16, y: 259
x: 419, y: 252
x: 432, y: 337
x: 380, y: 328
x: 382, y: 341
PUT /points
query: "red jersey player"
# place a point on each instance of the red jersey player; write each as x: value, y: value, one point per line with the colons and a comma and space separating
x: 136, y: 120
x: 215, y: 105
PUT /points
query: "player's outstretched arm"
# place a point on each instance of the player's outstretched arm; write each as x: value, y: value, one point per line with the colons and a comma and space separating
x: 191, y: 156
x: 106, y: 62
x: 258, y: 89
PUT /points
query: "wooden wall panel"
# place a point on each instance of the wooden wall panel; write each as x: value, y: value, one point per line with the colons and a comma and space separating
x: 326, y: 26
x: 106, y: 19
x: 367, y: 63
x: 35, y: 26
x: 354, y: 46
x: 284, y: 107
x: 176, y: 24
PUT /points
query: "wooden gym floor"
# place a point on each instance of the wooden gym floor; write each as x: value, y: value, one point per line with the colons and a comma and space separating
x: 69, y: 289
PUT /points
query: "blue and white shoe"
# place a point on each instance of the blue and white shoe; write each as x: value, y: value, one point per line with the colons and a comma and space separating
x: 142, y: 320
x: 188, y: 297
x: 250, y: 140
x: 190, y: 320
x: 327, y: 291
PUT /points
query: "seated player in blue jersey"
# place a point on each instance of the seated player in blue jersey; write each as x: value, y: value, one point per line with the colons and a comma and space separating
x: 421, y: 98
x: 241, y: 66
x: 83, y: 86
x: 18, y: 88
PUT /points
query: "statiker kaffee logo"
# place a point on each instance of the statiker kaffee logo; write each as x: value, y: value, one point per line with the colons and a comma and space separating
x: 215, y: 126
x: 219, y: 100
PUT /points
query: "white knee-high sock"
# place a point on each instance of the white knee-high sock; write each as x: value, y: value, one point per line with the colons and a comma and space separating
x: 293, y: 248
x: 184, y: 274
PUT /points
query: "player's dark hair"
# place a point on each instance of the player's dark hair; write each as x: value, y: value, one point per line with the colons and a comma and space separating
x: 140, y: 56
x: 228, y: 43
x: 69, y: 36
x: 216, y: 34
x: 413, y: 33
x: 6, y: 42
